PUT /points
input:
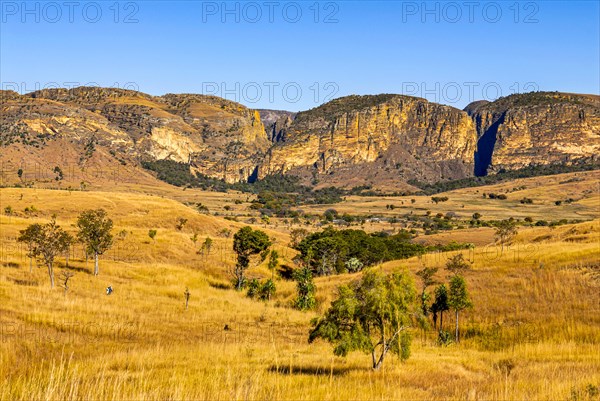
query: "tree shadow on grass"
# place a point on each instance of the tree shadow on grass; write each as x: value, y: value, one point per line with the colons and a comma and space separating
x: 311, y: 370
x: 78, y: 269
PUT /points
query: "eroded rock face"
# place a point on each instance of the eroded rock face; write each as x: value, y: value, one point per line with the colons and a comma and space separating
x: 405, y: 136
x: 217, y: 137
x: 383, y: 140
x: 535, y: 129
x: 276, y: 123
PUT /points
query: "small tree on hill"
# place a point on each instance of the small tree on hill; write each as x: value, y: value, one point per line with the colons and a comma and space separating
x: 267, y: 290
x: 48, y: 241
x: 31, y: 237
x: 273, y: 262
x: 297, y: 235
x: 305, y: 299
x: 180, y: 224
x: 207, y: 245
x: 426, y: 275
x: 457, y: 264
x: 372, y: 315
x: 505, y: 231
x: 458, y: 299
x: 440, y: 304
x: 65, y: 277
x: 94, y: 231
x: 247, y: 242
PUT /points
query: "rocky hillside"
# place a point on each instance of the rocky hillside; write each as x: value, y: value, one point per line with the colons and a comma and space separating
x: 217, y: 137
x: 372, y: 140
x: 382, y: 141
x: 534, y: 129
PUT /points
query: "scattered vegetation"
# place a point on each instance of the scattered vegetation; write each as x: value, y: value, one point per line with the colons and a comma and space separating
x: 584, y: 164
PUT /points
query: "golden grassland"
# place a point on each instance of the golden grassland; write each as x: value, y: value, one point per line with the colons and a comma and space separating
x: 582, y: 187
x: 534, y: 332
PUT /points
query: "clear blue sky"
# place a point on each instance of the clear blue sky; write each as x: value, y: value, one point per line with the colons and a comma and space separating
x: 261, y: 53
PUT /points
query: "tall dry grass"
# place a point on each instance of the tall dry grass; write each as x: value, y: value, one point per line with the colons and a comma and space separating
x: 533, y: 333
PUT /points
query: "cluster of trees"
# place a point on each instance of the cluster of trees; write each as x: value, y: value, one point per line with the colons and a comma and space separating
x: 454, y: 296
x: 438, y: 199
x: 334, y: 251
x: 45, y: 242
x: 249, y: 244
x: 492, y: 195
x: 276, y: 193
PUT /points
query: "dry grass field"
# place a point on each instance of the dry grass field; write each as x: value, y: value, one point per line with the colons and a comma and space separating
x: 534, y: 331
x: 582, y: 187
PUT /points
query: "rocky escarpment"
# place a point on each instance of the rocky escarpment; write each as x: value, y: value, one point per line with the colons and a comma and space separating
x: 382, y: 141
x: 376, y: 138
x: 535, y: 129
x: 276, y: 123
x: 217, y: 137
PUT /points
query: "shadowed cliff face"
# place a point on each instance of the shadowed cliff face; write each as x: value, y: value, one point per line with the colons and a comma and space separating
x: 485, y: 145
x: 276, y: 123
x: 535, y: 128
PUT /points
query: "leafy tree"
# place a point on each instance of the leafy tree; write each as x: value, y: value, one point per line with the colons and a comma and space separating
x: 505, y: 231
x: 94, y: 231
x: 458, y: 298
x: 297, y: 235
x: 262, y: 291
x: 194, y: 238
x: 438, y: 199
x: 457, y: 264
x: 368, y: 315
x: 330, y: 249
x: 59, y: 174
x: 207, y: 245
x: 305, y: 300
x: 253, y: 288
x: 31, y: 236
x: 267, y: 290
x: 273, y: 262
x: 48, y: 241
x: 330, y: 214
x: 152, y: 234
x: 426, y: 275
x: 440, y: 304
x: 247, y: 242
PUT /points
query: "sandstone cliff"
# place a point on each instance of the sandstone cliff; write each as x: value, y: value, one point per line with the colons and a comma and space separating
x: 535, y: 129
x: 376, y: 138
x: 382, y: 141
x: 219, y: 138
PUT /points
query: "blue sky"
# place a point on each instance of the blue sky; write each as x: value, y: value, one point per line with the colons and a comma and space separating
x: 296, y: 55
